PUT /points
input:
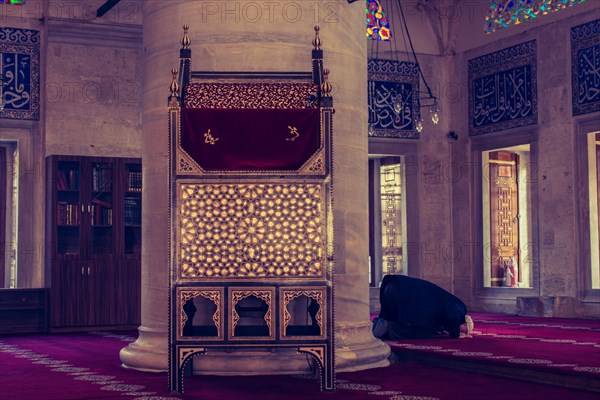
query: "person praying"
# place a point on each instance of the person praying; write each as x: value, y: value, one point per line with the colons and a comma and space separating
x: 416, y: 308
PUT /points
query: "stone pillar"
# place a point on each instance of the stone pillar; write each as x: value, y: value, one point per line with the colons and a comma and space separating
x: 254, y: 36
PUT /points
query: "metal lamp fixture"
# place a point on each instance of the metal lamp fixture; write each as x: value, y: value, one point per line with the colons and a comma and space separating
x: 426, y: 98
x: 429, y: 99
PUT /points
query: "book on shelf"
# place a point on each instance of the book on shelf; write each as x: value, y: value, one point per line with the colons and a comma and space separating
x: 132, y: 212
x: 102, y: 203
x: 73, y: 182
x: 67, y: 179
x: 67, y: 214
x: 101, y: 216
x: 134, y: 181
x: 101, y: 178
x: 132, y: 201
x: 61, y: 181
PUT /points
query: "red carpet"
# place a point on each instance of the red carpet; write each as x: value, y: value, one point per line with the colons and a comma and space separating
x: 552, y: 344
x: 87, y: 366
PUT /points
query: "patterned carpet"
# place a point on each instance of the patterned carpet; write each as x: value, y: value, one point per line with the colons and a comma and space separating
x: 571, y: 346
x: 86, y: 366
x: 558, y: 351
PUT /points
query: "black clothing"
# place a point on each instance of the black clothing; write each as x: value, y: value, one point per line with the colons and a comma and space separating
x: 415, y: 308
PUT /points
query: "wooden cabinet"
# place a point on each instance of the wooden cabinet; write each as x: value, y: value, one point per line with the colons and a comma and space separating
x: 23, y: 311
x: 93, y: 241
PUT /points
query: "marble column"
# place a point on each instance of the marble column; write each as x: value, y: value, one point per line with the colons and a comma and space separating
x: 260, y: 36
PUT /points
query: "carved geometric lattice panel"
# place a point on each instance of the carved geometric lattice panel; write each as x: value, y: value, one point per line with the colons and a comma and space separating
x: 249, y: 95
x: 288, y: 294
x: 249, y: 230
x: 215, y: 295
x: 504, y: 221
x: 267, y: 295
x: 504, y: 209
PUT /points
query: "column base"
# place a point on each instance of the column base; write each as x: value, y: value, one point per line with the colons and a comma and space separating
x: 148, y: 353
x: 356, y: 348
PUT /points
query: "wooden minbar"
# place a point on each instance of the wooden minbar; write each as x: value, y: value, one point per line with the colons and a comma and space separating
x: 251, y: 213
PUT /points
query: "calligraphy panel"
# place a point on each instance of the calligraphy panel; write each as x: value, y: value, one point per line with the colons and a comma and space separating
x: 20, y: 73
x: 585, y: 67
x: 393, y: 98
x: 503, y: 89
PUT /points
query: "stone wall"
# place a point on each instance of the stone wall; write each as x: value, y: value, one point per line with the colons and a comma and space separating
x: 90, y: 93
x: 92, y: 77
x: 446, y: 34
x: 93, y: 89
x: 557, y: 249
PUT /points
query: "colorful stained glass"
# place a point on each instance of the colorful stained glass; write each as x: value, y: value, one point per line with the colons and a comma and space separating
x: 16, y: 2
x: 378, y: 26
x: 503, y: 13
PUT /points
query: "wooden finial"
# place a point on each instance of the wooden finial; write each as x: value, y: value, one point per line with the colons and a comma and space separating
x: 326, y: 86
x: 317, y: 40
x: 185, y: 40
x: 174, y: 85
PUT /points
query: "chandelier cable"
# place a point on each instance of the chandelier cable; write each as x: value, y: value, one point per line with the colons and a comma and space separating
x: 413, y: 51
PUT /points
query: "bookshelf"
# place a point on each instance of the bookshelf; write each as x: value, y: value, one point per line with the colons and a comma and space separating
x: 68, y: 215
x: 132, y: 208
x: 101, y: 207
x: 93, y: 235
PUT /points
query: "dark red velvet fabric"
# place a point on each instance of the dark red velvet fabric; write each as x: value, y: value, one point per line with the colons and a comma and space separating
x: 250, y: 139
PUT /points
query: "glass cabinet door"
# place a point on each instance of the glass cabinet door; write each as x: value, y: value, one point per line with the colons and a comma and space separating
x: 100, y: 208
x: 132, y: 209
x: 68, y: 207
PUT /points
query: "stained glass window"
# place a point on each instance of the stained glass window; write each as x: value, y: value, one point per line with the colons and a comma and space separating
x: 391, y: 219
x: 503, y: 13
x: 19, y: 2
x: 378, y: 26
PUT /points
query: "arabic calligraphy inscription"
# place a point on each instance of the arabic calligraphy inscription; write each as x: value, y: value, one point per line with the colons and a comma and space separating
x: 19, y: 71
x: 391, y: 105
x: 393, y: 97
x: 502, y: 97
x: 503, y: 89
x: 585, y: 59
x: 16, y: 73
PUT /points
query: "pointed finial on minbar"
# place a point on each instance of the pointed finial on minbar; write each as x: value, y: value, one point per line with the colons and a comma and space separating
x: 185, y: 40
x: 174, y: 85
x: 317, y: 40
x: 326, y: 86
